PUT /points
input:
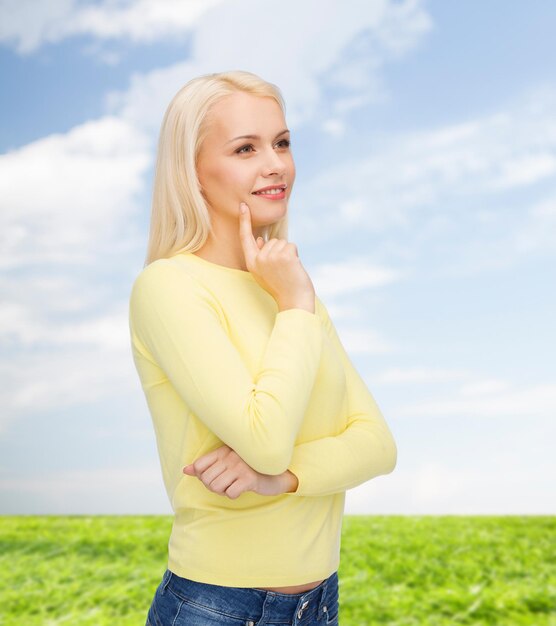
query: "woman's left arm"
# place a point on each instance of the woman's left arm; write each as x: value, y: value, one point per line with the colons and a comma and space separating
x: 364, y: 450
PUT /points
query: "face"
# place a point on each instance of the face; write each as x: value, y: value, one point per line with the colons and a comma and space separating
x: 231, y: 168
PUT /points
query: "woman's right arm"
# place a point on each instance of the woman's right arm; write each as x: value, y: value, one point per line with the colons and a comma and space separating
x: 174, y: 322
x: 332, y: 464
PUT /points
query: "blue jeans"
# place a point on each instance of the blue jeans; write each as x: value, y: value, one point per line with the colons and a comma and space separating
x: 183, y: 602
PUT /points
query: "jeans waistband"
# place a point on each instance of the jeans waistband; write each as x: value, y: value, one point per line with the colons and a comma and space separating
x: 234, y: 600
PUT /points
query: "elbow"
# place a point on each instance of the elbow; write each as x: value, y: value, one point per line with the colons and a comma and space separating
x: 383, y: 454
x: 391, y: 457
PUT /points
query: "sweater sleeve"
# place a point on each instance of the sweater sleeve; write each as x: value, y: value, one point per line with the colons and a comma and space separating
x: 174, y: 321
x: 364, y: 450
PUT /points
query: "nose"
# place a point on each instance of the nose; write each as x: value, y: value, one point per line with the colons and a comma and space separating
x: 275, y: 165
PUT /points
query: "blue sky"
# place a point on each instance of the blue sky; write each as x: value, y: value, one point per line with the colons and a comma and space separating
x: 424, y: 209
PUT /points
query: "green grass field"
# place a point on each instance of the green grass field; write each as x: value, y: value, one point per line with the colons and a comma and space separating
x: 395, y: 570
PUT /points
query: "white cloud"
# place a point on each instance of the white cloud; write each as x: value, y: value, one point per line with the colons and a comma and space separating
x: 364, y: 341
x: 105, y: 331
x: 450, y: 190
x: 545, y: 209
x: 240, y: 27
x: 355, y: 276
x: 67, y: 211
x: 109, y: 490
x: 64, y: 197
x: 351, y: 275
x: 492, y: 454
x: 334, y: 127
x: 490, y: 399
x: 524, y: 169
x: 29, y: 24
x: 537, y: 231
x: 64, y: 376
x: 483, y: 387
x: 398, y: 375
x: 489, y: 486
x: 305, y: 70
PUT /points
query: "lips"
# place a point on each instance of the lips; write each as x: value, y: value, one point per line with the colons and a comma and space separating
x: 281, y: 187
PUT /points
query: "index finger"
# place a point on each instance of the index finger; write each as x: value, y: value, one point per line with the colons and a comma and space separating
x: 248, y: 243
x: 205, y: 461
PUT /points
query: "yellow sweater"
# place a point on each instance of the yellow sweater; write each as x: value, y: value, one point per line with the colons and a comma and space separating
x: 219, y: 363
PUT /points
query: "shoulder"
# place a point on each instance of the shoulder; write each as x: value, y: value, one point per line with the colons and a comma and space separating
x: 160, y: 273
x: 164, y: 280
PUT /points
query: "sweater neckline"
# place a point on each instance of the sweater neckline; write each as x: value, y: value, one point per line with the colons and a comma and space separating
x: 232, y: 271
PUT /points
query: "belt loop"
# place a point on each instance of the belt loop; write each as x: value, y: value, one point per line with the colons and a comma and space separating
x: 166, y: 578
x: 323, y: 595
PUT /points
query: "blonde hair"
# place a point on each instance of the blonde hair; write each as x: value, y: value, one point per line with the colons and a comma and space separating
x: 180, y: 220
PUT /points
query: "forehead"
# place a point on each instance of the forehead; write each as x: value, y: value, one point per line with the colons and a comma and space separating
x: 242, y: 113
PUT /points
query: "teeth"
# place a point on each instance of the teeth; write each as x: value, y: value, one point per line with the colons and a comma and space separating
x: 269, y: 191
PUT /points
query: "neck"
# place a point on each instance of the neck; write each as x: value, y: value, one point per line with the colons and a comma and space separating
x: 225, y: 250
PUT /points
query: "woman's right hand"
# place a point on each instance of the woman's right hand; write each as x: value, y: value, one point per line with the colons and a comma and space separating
x: 276, y: 266
x: 224, y: 472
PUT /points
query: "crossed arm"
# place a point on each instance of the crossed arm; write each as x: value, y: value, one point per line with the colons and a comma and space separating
x: 175, y: 319
x: 224, y: 472
x: 323, y: 466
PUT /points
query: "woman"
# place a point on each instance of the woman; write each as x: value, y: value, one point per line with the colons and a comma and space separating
x: 261, y: 420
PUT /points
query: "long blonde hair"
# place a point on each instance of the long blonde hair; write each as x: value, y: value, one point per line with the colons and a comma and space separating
x: 180, y: 220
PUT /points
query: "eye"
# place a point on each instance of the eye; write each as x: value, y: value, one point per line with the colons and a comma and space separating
x: 243, y: 150
x: 240, y: 150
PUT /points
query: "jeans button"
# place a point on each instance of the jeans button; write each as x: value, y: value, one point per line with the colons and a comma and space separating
x: 303, y: 607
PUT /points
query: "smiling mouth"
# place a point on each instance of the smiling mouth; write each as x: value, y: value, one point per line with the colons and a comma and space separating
x: 273, y: 194
x: 270, y: 190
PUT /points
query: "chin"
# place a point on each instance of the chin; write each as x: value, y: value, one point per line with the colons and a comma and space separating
x: 270, y: 216
x: 269, y: 221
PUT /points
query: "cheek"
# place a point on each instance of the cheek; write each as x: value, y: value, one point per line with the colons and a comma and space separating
x: 238, y: 182
x: 223, y: 188
x: 213, y: 180
x: 291, y: 165
x: 238, y: 179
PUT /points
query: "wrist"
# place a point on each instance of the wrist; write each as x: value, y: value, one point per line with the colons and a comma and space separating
x: 307, y: 303
x: 275, y: 485
x: 292, y: 482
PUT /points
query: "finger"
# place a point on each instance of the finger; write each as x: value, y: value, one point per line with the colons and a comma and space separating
x: 248, y: 243
x: 235, y: 490
x: 279, y: 244
x: 204, y: 462
x: 260, y: 242
x: 216, y: 470
x: 293, y: 247
x: 270, y: 244
x: 222, y: 482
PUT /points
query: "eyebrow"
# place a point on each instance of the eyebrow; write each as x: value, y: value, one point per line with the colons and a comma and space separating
x: 283, y: 132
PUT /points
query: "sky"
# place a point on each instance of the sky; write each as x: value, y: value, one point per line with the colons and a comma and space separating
x: 424, y: 210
